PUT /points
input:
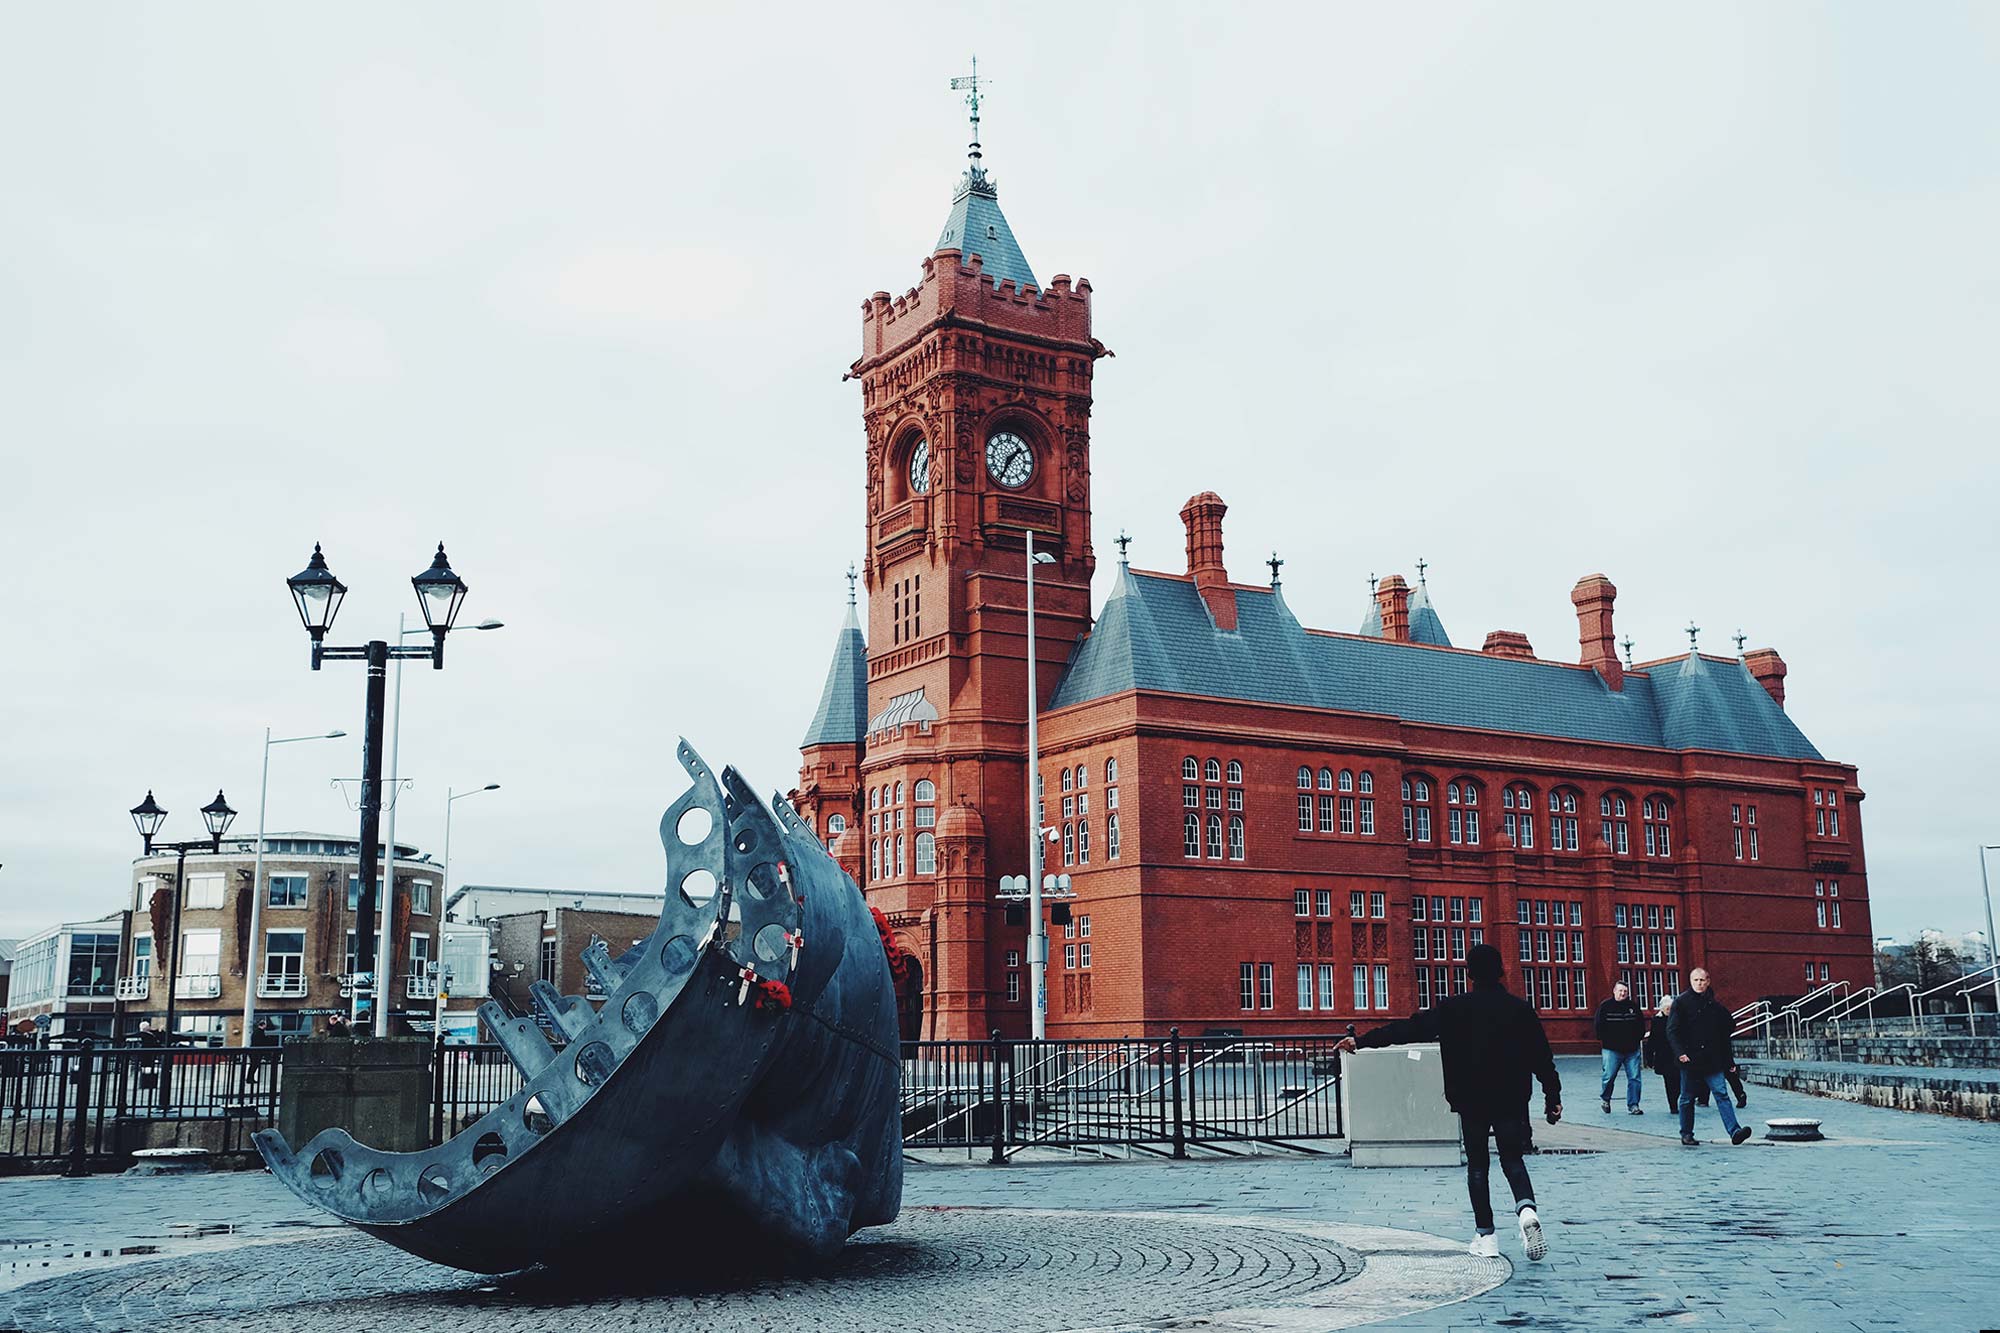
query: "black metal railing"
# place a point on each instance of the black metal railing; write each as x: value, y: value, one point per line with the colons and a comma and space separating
x: 83, y: 1108
x: 1152, y: 1094
x: 468, y: 1081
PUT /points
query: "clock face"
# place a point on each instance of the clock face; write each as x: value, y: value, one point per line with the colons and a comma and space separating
x: 920, y: 468
x: 1009, y: 460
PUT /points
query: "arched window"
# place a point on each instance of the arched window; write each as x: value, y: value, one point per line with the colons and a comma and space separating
x: 1069, y: 844
x: 1653, y: 813
x: 1326, y: 779
x: 1190, y: 769
x: 1083, y: 842
x: 1236, y: 837
x: 1305, y: 778
x: 1367, y: 805
x: 926, y: 854
x: 1215, y: 837
x: 1562, y: 819
x: 836, y: 824
x: 1235, y: 770
x: 1462, y: 811
x: 1417, y: 808
x: 1346, y: 779
x: 899, y: 791
x: 874, y: 859
x: 1111, y: 769
x: 900, y: 862
x: 1517, y: 805
x: 1111, y: 837
x: 1613, y: 809
x: 1191, y: 835
x: 1082, y: 776
x: 1068, y: 782
x: 1212, y: 770
x: 925, y: 791
x: 874, y: 799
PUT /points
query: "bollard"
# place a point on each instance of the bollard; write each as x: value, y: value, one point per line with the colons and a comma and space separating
x: 78, y: 1164
x: 1174, y: 1063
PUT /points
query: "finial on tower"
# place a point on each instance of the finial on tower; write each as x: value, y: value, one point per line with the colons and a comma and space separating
x: 970, y: 84
x: 1274, y: 563
x: 1627, y: 646
x: 1371, y: 583
x: 1123, y: 542
x: 1692, y: 630
x: 851, y: 577
x: 1422, y: 565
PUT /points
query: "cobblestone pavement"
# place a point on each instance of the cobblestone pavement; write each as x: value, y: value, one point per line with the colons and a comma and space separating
x: 1884, y: 1226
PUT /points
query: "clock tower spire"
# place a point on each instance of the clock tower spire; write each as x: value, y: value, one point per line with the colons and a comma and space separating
x: 976, y: 393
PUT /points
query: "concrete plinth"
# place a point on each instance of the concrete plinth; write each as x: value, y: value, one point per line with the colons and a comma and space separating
x: 1392, y: 1103
x: 377, y: 1089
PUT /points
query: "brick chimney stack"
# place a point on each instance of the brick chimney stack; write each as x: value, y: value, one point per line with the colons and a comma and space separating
x: 1508, y: 643
x: 1392, y: 602
x: 1203, y: 516
x: 1593, y: 596
x: 1769, y: 669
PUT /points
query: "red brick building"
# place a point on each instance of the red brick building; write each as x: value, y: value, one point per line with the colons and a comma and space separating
x: 1269, y: 828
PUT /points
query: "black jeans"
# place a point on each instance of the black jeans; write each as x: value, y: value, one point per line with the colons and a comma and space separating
x: 1510, y: 1135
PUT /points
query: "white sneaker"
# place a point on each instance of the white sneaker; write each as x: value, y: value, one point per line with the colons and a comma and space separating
x: 1484, y: 1247
x: 1531, y: 1235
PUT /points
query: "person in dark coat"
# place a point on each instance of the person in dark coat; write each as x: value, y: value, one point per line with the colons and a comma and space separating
x: 1733, y: 1074
x: 1621, y: 1030
x: 1660, y: 1055
x: 1493, y: 1049
x: 1698, y: 1031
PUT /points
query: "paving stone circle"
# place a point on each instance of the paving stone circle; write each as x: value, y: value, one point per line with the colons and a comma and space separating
x: 1001, y: 1270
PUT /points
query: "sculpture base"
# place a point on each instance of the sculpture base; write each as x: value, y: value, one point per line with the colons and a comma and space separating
x: 380, y: 1088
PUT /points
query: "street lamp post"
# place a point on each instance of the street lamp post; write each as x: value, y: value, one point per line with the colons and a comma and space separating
x: 388, y: 959
x: 257, y: 876
x: 437, y: 950
x: 147, y: 816
x: 1038, y: 939
x: 1986, y: 892
x: 318, y: 595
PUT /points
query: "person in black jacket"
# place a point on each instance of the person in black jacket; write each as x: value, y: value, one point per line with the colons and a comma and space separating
x: 1493, y: 1048
x: 1660, y: 1055
x: 1621, y: 1029
x: 1698, y: 1031
x: 1730, y: 1072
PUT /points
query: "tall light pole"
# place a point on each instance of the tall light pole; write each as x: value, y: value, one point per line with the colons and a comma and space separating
x: 1986, y: 892
x: 257, y: 876
x: 1038, y: 938
x: 318, y: 595
x: 388, y: 915
x: 437, y: 922
x: 147, y: 816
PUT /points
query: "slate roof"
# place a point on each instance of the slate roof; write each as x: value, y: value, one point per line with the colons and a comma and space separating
x: 1425, y: 627
x: 843, y: 704
x: 1155, y: 634
x: 976, y: 226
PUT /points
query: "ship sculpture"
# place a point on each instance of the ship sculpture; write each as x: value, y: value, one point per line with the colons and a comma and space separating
x: 734, y: 1093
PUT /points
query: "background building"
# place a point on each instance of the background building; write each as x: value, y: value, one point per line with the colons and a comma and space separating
x: 66, y: 975
x: 548, y: 944
x: 1270, y: 828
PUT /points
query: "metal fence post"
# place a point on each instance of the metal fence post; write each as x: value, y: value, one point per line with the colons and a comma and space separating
x: 999, y: 1106
x: 79, y: 1145
x: 1174, y: 1063
x: 437, y: 1088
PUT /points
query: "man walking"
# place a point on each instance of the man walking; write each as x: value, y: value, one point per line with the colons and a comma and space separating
x: 1698, y: 1031
x: 1493, y: 1047
x: 1621, y: 1030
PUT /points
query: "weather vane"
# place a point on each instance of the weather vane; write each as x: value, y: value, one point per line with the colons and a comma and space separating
x: 970, y: 84
x: 1740, y: 637
x: 1628, y: 650
x: 1422, y: 565
x: 1123, y: 542
x: 851, y: 576
x: 1274, y: 563
x: 1692, y: 630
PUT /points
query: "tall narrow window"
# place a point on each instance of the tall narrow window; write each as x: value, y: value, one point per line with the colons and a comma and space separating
x: 1360, y: 986
x: 926, y: 854
x: 1236, y: 837
x: 1265, y: 998
x: 1111, y: 837
x: 1215, y: 837
x: 1246, y: 980
x: 1381, y: 986
x: 1305, y: 813
x: 1305, y: 986
x: 1191, y: 836
x: 1326, y: 985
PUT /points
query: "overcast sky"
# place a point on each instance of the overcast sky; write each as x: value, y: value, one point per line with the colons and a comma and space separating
x: 1702, y: 298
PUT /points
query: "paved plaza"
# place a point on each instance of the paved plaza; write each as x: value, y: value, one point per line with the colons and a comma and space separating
x: 1884, y: 1226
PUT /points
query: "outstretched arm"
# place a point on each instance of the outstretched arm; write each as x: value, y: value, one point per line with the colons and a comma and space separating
x: 1420, y: 1026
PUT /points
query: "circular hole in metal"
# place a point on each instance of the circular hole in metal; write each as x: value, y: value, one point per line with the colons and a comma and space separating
x: 327, y: 1163
x: 489, y: 1152
x: 641, y: 1011
x: 763, y: 880
x: 677, y: 955
x: 594, y: 1063
x: 770, y: 943
x: 433, y: 1186
x: 536, y: 1116
x: 693, y: 826
x: 375, y: 1187
x: 698, y: 886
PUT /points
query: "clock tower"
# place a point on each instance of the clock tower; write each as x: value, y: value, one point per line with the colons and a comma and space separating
x: 976, y: 391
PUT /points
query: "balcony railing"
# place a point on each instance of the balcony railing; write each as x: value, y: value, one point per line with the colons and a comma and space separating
x: 198, y: 986
x: 420, y: 988
x: 135, y: 988
x: 280, y: 987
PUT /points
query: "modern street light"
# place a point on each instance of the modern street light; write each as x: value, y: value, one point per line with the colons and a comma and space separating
x: 1986, y: 892
x: 257, y: 890
x: 1038, y: 938
x: 147, y: 817
x: 437, y: 922
x: 318, y: 595
x: 388, y: 959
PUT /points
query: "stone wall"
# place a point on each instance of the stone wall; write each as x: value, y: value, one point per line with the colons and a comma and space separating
x: 1974, y: 1098
x: 1929, y: 1052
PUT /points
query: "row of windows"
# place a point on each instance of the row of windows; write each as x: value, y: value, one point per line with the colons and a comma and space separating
x: 1826, y: 812
x: 1076, y: 840
x: 1210, y: 770
x: 1826, y: 894
x: 1460, y: 909
x: 1345, y: 782
x: 1554, y: 988
x: 1649, y: 988
x: 1547, y: 912
x: 1544, y: 946
x: 1743, y: 819
x: 1648, y: 948
x: 1825, y: 972
x: 1434, y: 942
x: 1322, y: 997
x: 1195, y: 797
x: 1191, y: 839
x: 1357, y: 814
x: 205, y: 892
x: 885, y: 856
x: 1652, y: 916
x: 891, y: 794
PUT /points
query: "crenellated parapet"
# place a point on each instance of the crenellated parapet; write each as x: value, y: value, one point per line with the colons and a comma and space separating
x: 956, y: 286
